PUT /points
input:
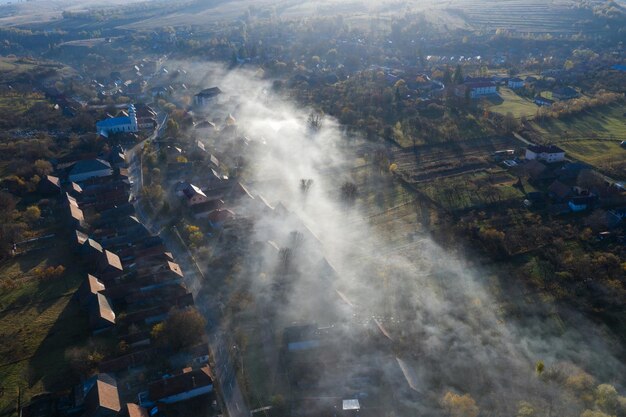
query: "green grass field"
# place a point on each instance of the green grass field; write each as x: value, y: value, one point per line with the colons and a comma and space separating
x: 607, y: 156
x: 593, y: 137
x: 606, y: 122
x: 511, y: 102
x: 39, y: 320
x: 18, y: 104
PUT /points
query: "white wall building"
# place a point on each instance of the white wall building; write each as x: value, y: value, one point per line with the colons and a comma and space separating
x: 549, y: 154
x: 126, y: 124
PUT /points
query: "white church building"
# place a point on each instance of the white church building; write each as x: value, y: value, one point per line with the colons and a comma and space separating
x: 119, y: 124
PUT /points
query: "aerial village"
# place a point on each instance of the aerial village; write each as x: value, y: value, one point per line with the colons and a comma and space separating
x: 134, y: 286
x: 155, y: 202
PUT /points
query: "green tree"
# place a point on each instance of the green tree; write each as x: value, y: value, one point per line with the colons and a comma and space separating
x: 42, y: 167
x: 607, y: 398
x: 458, y: 75
x: 182, y: 328
x: 459, y: 405
x: 447, y: 77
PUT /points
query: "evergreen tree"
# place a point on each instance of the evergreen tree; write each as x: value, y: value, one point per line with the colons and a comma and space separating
x: 458, y: 75
x: 447, y: 77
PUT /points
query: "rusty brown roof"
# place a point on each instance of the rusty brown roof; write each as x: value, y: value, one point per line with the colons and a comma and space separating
x: 183, y: 382
x: 113, y: 260
x: 102, y: 395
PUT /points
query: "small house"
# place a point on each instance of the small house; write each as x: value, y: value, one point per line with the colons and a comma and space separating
x: 542, y: 101
x: 218, y: 217
x: 89, y: 289
x: 581, y: 203
x: 189, y: 384
x: 207, y: 96
x: 476, y: 90
x: 49, y: 185
x: 102, y: 398
x: 194, y: 195
x: 90, y: 168
x: 101, y: 315
x: 559, y: 191
x: 548, y: 154
x: 109, y: 266
x: 515, y: 83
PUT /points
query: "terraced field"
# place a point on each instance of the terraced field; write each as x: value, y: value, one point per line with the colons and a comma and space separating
x: 537, y: 16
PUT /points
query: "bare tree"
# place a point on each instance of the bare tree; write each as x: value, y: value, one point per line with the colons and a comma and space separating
x: 305, y: 184
x: 349, y: 191
x: 314, y: 122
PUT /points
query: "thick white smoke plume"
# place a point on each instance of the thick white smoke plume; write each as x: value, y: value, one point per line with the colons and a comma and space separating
x: 442, y: 330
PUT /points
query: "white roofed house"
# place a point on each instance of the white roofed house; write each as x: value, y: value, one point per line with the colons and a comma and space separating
x: 123, y: 124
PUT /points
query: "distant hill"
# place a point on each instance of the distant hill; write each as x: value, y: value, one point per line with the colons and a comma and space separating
x: 539, y: 16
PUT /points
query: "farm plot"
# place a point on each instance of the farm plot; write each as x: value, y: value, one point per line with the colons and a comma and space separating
x: 428, y: 162
x: 471, y: 189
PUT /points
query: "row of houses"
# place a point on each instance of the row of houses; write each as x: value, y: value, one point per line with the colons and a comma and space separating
x: 567, y: 187
x: 131, y: 283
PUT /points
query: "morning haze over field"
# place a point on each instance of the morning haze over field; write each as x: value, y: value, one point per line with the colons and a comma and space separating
x: 313, y: 208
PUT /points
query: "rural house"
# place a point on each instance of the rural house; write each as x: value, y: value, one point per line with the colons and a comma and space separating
x: 90, y: 168
x: 89, y: 288
x: 49, y: 185
x: 207, y: 96
x: 542, y: 101
x: 182, y: 387
x: 549, y: 153
x: 101, y: 315
x: 194, y: 195
x: 102, y: 398
x: 477, y: 89
x: 515, y: 83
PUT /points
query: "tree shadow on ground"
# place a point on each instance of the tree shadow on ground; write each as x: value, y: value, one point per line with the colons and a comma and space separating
x: 49, y: 364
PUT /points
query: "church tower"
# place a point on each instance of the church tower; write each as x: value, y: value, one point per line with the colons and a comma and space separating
x: 132, y: 116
